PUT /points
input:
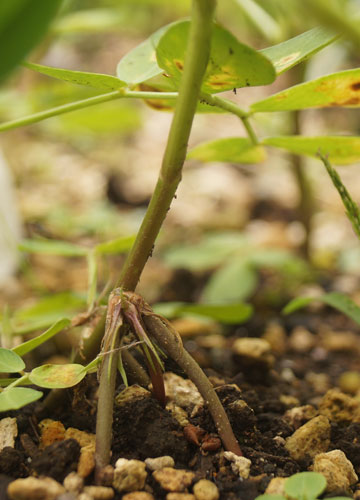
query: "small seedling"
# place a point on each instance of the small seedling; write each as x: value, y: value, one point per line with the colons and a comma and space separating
x: 301, y: 486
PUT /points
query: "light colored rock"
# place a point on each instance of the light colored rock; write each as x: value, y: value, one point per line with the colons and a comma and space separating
x: 337, y: 469
x: 82, y: 437
x: 205, y: 490
x: 73, y: 482
x: 130, y: 394
x: 309, y: 439
x: 181, y: 391
x: 299, y: 415
x: 51, y: 431
x: 339, y: 341
x: 84, y: 496
x: 320, y: 381
x: 174, y: 479
x: 99, y: 492
x: 254, y: 350
x: 8, y: 432
x: 239, y: 465
x: 33, y: 488
x: 349, y: 382
x: 178, y: 413
x: 129, y: 475
x: 138, y: 495
x: 339, y: 407
x: 86, y: 462
x: 276, y: 486
x: 180, y: 496
x: 159, y: 462
x: 275, y: 334
x: 301, y: 340
x: 289, y: 401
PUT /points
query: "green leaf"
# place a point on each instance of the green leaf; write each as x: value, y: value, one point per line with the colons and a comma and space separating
x: 287, y: 54
x: 17, y: 397
x: 94, y: 80
x: 57, y: 376
x: 341, y: 150
x: 89, y: 21
x: 338, y: 300
x: 231, y: 63
x: 224, y: 313
x: 10, y: 362
x: 23, y: 23
x: 52, y: 247
x: 337, y: 89
x: 31, y: 344
x: 208, y: 253
x: 47, y: 311
x: 305, y: 485
x: 232, y: 150
x: 140, y: 63
x: 234, y: 282
x: 115, y: 247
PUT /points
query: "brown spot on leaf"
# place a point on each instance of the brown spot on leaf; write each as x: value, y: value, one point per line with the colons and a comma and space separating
x: 352, y: 101
x: 179, y: 64
x: 218, y: 84
x: 355, y: 86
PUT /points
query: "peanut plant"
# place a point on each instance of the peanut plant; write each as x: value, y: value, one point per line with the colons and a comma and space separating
x: 183, y: 67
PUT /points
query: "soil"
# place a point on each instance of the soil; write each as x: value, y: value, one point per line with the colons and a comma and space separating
x: 300, y: 375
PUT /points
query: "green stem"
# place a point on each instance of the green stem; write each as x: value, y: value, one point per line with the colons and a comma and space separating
x: 175, y: 153
x: 170, y: 175
x: 233, y: 108
x: 84, y: 103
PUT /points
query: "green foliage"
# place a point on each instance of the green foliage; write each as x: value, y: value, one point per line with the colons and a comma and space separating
x: 337, y: 300
x: 17, y: 397
x: 57, y: 376
x: 23, y: 23
x: 231, y: 63
x: 225, y: 313
x: 10, y: 362
x: 233, y: 149
x: 301, y: 486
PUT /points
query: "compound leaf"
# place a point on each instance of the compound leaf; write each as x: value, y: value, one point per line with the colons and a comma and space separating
x: 231, y: 64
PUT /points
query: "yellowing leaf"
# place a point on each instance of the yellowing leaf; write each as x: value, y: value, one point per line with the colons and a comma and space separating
x: 232, y: 150
x: 337, y: 89
x: 57, y: 376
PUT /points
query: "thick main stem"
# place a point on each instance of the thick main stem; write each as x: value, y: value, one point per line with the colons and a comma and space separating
x: 197, y: 55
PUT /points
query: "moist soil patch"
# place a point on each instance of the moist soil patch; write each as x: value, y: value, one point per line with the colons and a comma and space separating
x: 257, y: 399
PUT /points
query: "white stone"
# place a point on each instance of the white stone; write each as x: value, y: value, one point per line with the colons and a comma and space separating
x: 159, y: 462
x: 239, y: 465
x: 8, y: 432
x: 129, y: 475
x: 181, y: 391
x: 174, y: 479
x: 73, y: 482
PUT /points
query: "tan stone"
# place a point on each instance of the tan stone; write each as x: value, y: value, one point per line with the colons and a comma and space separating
x: 138, y: 495
x: 82, y: 437
x: 254, y: 350
x: 33, y: 488
x: 181, y: 391
x: 340, y: 407
x: 174, y: 479
x: 8, y: 432
x: 206, y: 490
x: 309, y: 439
x: 73, y: 482
x: 301, y: 340
x: 129, y: 475
x: 130, y: 394
x: 350, y: 382
x: 337, y: 469
x: 159, y: 462
x: 51, y: 431
x: 180, y: 496
x: 99, y: 492
x: 276, y: 336
x: 276, y: 486
x: 299, y: 415
x: 86, y: 461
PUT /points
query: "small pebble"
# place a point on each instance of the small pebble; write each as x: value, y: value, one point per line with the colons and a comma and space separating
x: 173, y: 479
x: 349, y: 382
x: 99, y: 492
x: 254, y: 351
x: 159, y: 462
x: 130, y: 394
x: 301, y: 340
x: 309, y: 439
x: 73, y: 482
x: 51, y: 431
x: 181, y: 391
x: 8, y: 432
x: 180, y: 496
x: 33, y: 488
x: 84, y: 496
x: 276, y: 486
x: 82, y: 437
x: 337, y: 469
x: 239, y: 465
x: 138, y: 495
x: 299, y: 415
x: 129, y: 475
x: 86, y: 462
x: 205, y: 490
x: 339, y: 407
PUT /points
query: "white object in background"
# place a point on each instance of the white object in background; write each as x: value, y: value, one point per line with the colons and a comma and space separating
x: 10, y: 227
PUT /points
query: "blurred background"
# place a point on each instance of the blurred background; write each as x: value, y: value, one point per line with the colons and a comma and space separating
x: 86, y: 177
